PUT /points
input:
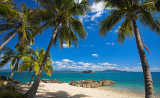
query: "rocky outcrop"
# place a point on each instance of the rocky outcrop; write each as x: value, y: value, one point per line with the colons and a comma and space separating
x: 91, y: 83
x: 85, y: 83
x: 51, y: 81
x: 106, y: 82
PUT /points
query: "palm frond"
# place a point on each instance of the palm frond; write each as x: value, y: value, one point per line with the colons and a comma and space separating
x: 147, y: 20
x: 78, y: 27
x: 107, y: 24
x: 125, y: 30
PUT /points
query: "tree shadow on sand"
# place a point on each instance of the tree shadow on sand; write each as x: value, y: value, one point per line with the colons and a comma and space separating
x: 60, y: 94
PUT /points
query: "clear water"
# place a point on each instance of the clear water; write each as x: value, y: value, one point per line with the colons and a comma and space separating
x: 125, y: 81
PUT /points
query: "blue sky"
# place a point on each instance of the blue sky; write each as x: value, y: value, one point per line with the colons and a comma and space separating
x: 95, y: 52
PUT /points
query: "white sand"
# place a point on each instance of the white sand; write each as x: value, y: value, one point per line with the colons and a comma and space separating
x: 64, y: 90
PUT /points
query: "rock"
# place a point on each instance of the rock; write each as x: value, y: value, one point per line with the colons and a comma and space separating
x: 16, y: 82
x: 91, y: 83
x: 51, y: 81
x: 84, y: 83
x: 106, y: 82
x: 3, y: 78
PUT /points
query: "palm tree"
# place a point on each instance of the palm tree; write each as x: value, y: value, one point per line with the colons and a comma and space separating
x: 132, y: 11
x: 60, y: 15
x: 19, y: 24
x: 7, y: 9
x: 34, y: 61
x: 14, y: 57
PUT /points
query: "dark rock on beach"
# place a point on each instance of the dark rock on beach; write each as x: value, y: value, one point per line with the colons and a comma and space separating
x: 91, y: 83
x: 51, y: 81
x: 85, y: 83
x: 3, y: 78
x: 106, y: 82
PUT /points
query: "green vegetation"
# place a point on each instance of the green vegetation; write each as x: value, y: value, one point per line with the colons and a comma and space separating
x: 15, y: 57
x: 89, y: 71
x: 132, y: 11
x: 65, y: 25
x: 11, y: 93
x: 1, y: 83
x: 18, y: 24
x: 61, y: 16
x: 33, y: 62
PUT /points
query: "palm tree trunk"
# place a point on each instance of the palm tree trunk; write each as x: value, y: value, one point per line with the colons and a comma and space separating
x: 32, y: 78
x: 149, y: 89
x: 16, y: 66
x: 32, y: 91
x: 9, y: 39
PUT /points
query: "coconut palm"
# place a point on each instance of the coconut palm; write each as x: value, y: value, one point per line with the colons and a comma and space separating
x: 33, y: 62
x: 19, y: 24
x: 14, y: 57
x: 132, y: 11
x: 59, y: 14
x: 7, y: 9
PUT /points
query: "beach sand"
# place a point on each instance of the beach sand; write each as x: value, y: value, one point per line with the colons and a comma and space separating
x: 64, y: 90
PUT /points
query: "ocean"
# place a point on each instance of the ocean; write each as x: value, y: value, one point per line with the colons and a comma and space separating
x: 125, y: 81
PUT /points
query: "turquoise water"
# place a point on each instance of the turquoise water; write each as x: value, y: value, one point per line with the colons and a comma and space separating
x: 125, y: 81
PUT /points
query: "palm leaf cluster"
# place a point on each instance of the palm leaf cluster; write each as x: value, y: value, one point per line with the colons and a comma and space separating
x: 62, y: 12
x: 127, y: 10
x: 12, y: 56
x: 33, y: 62
x: 18, y: 23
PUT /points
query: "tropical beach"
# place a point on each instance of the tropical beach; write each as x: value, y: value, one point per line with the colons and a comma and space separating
x: 65, y: 90
x: 79, y: 49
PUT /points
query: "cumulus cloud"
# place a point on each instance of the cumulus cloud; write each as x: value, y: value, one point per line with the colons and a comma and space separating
x: 110, y: 43
x: 66, y: 46
x: 97, y: 8
x: 66, y: 60
x: 95, y: 55
x: 88, y: 27
x: 106, y: 63
x: 79, y: 66
x: 155, y: 69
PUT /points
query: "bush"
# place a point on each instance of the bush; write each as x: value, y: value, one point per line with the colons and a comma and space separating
x: 1, y: 83
x: 11, y: 93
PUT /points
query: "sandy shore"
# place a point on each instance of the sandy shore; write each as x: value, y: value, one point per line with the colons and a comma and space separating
x: 64, y: 90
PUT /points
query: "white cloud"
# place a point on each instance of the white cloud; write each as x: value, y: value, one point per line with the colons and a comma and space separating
x: 88, y: 27
x: 85, y: 64
x: 133, y: 69
x: 155, y: 69
x: 70, y: 64
x: 110, y: 43
x: 97, y: 8
x: 66, y: 60
x: 66, y: 46
x: 98, y: 14
x: 106, y: 63
x: 95, y: 55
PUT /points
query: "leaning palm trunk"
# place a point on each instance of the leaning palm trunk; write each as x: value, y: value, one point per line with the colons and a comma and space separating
x: 149, y: 89
x: 32, y: 91
x: 16, y: 66
x: 32, y: 78
x: 9, y: 39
